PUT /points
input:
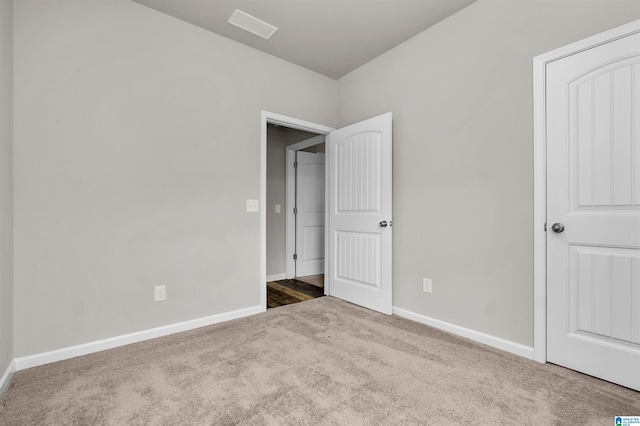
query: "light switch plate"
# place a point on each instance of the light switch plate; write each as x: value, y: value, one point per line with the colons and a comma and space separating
x: 252, y: 206
x: 277, y: 208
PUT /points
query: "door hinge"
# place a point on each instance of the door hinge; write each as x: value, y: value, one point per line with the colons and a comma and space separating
x: 295, y: 210
x: 295, y: 257
x: 295, y: 164
x: 545, y: 227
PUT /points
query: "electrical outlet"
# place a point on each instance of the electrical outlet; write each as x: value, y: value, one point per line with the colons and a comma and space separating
x: 426, y: 285
x: 159, y: 293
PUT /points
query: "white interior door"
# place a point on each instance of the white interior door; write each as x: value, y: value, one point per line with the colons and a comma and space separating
x: 310, y: 217
x: 360, y: 213
x: 593, y: 178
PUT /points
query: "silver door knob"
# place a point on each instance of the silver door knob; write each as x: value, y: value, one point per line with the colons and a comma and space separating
x: 557, y: 228
x: 383, y: 224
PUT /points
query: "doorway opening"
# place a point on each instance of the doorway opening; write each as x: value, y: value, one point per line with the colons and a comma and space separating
x: 293, y: 214
x: 358, y: 217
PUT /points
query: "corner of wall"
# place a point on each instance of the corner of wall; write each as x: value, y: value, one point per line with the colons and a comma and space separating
x: 5, y: 380
x: 6, y: 193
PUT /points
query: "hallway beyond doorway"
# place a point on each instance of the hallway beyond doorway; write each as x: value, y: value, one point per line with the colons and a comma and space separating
x: 316, y: 280
x: 287, y: 292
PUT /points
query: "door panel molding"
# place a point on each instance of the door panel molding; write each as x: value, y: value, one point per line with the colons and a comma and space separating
x: 540, y: 172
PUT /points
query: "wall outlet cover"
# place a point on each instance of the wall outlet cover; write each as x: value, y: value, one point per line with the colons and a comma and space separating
x: 159, y: 293
x: 426, y: 285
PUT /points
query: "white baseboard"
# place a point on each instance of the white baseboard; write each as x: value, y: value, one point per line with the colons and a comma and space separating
x: 6, y: 377
x: 126, y: 339
x: 276, y: 277
x: 487, y: 339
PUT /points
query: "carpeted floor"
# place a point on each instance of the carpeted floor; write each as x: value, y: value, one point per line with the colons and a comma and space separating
x: 319, y: 362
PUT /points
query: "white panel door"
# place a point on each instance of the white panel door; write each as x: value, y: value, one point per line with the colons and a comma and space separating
x: 310, y: 213
x: 593, y: 178
x: 360, y: 213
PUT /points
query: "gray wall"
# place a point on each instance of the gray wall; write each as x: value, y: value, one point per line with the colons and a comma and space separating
x: 276, y: 194
x: 461, y: 95
x: 277, y: 140
x: 136, y: 144
x: 6, y: 184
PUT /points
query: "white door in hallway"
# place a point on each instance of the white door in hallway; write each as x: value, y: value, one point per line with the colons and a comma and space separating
x: 360, y: 213
x: 593, y: 211
x: 310, y: 197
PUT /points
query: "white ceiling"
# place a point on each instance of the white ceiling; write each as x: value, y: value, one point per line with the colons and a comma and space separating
x: 332, y: 37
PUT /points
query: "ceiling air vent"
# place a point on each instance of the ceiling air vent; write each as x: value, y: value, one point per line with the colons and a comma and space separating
x: 251, y: 24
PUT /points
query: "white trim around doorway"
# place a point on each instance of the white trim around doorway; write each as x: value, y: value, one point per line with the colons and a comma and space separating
x: 540, y: 175
x: 293, y: 123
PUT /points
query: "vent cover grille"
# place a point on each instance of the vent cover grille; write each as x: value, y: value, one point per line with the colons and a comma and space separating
x: 251, y: 24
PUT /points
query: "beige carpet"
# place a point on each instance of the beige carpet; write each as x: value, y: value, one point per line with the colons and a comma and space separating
x: 319, y: 362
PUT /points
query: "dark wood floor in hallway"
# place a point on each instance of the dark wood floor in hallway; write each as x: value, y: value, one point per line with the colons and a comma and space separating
x: 286, y: 292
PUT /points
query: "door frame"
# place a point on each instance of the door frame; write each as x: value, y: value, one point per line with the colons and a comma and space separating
x: 293, y: 123
x: 290, y: 265
x: 540, y: 174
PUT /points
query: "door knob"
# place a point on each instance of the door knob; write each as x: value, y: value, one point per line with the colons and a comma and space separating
x: 557, y: 228
x: 383, y: 224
